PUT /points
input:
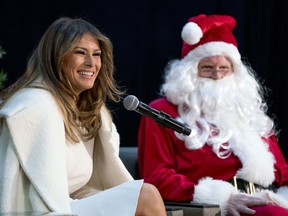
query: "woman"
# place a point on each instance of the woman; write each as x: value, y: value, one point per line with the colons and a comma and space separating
x: 59, y: 147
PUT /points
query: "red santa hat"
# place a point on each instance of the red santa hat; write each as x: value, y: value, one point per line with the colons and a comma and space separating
x: 205, y: 36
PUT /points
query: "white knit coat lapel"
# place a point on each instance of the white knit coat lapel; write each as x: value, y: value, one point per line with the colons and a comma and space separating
x: 42, y: 142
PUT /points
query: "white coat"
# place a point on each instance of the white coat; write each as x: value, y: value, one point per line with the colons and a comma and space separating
x: 33, y: 172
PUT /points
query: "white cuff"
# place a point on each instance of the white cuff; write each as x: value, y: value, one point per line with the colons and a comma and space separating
x: 213, y: 192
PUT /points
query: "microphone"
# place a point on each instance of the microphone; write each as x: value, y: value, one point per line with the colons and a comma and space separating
x: 133, y: 104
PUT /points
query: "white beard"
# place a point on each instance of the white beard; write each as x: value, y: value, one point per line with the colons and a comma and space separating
x: 217, y: 99
x: 223, y: 118
x: 221, y: 103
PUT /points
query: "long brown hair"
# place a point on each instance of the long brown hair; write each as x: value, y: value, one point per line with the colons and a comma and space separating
x: 81, y: 113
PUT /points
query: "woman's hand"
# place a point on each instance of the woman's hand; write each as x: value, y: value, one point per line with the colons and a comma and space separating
x: 240, y: 203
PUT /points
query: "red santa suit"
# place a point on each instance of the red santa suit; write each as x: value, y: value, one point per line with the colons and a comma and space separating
x: 176, y: 171
x: 184, y: 169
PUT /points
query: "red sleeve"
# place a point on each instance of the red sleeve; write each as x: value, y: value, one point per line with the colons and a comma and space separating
x: 157, y: 161
x: 281, y: 167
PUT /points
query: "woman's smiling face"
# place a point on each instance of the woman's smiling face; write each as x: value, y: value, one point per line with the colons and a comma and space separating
x: 83, y: 63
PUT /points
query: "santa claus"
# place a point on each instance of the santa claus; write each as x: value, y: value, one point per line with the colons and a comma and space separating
x: 231, y: 157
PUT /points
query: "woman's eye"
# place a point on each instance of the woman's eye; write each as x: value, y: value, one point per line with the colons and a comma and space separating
x: 79, y: 52
x: 97, y: 54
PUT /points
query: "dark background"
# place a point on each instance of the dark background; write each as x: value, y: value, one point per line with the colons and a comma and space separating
x: 146, y: 35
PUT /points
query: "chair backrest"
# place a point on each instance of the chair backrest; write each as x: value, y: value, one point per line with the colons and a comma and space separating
x: 129, y: 156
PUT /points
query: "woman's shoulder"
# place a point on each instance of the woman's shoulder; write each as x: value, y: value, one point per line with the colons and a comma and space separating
x: 28, y: 98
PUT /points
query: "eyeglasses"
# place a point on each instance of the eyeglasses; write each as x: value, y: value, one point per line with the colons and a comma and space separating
x: 208, y: 71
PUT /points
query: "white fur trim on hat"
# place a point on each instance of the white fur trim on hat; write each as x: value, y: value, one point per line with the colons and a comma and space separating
x: 191, y: 33
x: 213, y: 49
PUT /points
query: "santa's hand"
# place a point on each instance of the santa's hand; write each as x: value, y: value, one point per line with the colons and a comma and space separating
x: 240, y: 203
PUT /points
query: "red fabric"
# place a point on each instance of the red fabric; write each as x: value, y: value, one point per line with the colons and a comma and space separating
x: 268, y: 210
x: 165, y: 161
x: 214, y: 28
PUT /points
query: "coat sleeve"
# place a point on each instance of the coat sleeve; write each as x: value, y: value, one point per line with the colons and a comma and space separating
x: 156, y: 162
x: 281, y: 168
x: 37, y: 138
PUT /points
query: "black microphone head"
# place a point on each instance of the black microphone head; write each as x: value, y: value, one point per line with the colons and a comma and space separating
x: 131, y: 102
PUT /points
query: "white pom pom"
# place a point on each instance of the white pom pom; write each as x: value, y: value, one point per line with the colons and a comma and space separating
x: 191, y: 33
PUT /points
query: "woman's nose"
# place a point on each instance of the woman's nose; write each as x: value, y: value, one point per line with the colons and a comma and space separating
x: 88, y: 60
